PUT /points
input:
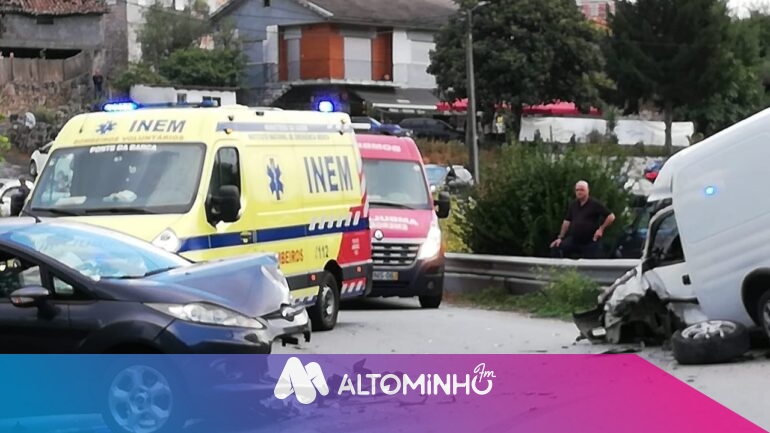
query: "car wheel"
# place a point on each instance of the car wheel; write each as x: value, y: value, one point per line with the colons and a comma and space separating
x: 323, y: 314
x: 32, y: 169
x: 431, y: 301
x: 710, y: 342
x: 763, y: 313
x: 143, y: 396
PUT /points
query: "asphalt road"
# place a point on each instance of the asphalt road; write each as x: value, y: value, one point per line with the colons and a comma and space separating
x: 382, y: 326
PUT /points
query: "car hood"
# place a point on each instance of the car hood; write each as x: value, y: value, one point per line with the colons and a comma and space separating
x: 400, y: 223
x: 250, y: 285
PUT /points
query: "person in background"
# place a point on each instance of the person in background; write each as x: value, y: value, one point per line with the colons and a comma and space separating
x: 20, y: 197
x: 98, y: 84
x: 583, y: 226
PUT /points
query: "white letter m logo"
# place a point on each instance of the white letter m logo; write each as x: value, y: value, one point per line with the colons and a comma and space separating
x: 301, y: 380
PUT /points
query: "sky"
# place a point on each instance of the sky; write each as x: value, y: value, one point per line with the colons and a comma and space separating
x: 741, y: 6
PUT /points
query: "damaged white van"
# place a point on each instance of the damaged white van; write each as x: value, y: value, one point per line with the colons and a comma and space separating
x: 705, y: 273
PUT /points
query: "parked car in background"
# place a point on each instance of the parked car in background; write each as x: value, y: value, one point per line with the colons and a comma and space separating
x: 407, y: 246
x: 425, y: 127
x: 9, y: 187
x: 436, y: 175
x: 450, y: 178
x: 377, y: 127
x: 652, y: 169
x: 38, y: 159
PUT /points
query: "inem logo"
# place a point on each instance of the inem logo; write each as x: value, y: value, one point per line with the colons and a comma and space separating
x: 301, y: 380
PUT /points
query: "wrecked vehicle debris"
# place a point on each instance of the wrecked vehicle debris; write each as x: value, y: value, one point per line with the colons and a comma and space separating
x: 703, y: 281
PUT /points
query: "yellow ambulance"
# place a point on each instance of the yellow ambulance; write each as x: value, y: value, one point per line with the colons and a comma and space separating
x: 210, y: 183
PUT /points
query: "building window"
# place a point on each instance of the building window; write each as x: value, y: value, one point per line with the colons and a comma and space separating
x: 210, y: 99
x: 44, y: 20
x: 181, y: 98
x: 266, y: 3
x: 358, y: 58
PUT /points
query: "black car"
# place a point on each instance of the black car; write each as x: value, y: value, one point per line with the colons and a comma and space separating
x: 67, y: 287
x: 425, y: 127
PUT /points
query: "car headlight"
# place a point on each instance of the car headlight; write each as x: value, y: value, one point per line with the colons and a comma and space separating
x: 209, y: 314
x: 432, y: 244
x: 167, y: 240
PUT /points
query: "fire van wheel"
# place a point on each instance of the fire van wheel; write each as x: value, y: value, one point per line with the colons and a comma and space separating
x: 323, y: 314
x: 430, y: 301
x: 33, y: 169
x: 710, y: 342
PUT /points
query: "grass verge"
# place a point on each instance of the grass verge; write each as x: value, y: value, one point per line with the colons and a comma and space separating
x: 569, y: 291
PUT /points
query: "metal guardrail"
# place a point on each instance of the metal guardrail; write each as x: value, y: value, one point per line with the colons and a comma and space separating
x: 530, y: 272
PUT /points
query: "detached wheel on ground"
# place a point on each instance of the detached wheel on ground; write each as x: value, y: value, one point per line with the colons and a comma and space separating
x: 143, y: 397
x: 710, y: 342
x: 431, y: 301
x: 323, y: 314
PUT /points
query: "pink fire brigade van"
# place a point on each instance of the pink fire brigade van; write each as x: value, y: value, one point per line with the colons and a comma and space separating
x: 407, y: 247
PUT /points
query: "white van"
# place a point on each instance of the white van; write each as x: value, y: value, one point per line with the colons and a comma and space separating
x: 706, y: 264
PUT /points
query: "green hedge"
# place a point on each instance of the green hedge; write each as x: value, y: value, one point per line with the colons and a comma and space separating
x: 522, y: 200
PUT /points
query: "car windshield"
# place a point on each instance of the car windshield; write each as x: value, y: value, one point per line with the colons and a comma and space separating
x: 95, y: 253
x: 436, y: 174
x: 396, y: 184
x: 120, y: 178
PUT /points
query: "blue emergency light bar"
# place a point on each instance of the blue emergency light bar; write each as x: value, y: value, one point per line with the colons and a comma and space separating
x: 118, y: 106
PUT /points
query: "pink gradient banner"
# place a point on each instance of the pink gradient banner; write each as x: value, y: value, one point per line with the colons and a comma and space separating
x: 521, y: 393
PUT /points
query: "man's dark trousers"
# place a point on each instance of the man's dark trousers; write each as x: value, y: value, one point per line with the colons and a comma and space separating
x: 569, y: 247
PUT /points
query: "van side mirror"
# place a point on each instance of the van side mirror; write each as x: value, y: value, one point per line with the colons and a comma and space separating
x: 225, y: 205
x: 444, y: 204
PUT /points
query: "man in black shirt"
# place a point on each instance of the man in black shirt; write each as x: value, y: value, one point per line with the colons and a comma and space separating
x: 583, y: 226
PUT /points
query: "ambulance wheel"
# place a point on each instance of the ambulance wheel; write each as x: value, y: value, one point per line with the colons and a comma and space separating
x: 323, y: 314
x: 710, y: 342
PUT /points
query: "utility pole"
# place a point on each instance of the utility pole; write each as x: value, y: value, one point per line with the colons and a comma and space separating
x: 473, y: 146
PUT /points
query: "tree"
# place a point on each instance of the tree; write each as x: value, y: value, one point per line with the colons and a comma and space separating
x: 670, y: 53
x: 525, y: 52
x: 166, y: 30
x: 200, y: 67
x: 744, y: 94
x: 139, y: 73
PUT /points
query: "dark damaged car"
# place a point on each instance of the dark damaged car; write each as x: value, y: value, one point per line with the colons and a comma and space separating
x: 75, y: 288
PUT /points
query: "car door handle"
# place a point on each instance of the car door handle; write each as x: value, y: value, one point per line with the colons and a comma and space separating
x: 686, y: 280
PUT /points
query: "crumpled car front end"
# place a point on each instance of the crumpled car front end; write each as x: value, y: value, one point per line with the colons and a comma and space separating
x: 626, y: 311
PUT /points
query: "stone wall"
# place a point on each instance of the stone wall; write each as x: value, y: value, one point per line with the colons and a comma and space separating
x: 19, y: 97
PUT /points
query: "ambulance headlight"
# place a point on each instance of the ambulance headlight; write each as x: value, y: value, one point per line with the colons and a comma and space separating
x: 167, y: 240
x: 432, y: 245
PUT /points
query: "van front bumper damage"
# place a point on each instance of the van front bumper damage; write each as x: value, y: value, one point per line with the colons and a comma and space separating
x: 628, y: 311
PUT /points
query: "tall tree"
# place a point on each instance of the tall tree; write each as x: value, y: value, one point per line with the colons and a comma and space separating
x: 670, y: 53
x: 166, y: 30
x: 525, y: 52
x: 744, y: 94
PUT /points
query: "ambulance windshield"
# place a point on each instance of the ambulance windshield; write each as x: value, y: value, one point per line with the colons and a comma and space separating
x: 397, y: 184
x: 119, y: 179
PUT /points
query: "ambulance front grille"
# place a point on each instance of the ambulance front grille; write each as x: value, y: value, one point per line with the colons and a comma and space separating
x: 394, y: 254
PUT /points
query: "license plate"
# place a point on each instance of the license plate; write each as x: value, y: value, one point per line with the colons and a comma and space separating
x: 385, y: 276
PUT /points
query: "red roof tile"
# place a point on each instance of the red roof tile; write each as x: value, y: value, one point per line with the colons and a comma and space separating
x: 53, y: 7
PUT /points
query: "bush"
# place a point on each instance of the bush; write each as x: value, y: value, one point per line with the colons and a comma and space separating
x: 451, y: 230
x: 568, y: 292
x: 521, y: 203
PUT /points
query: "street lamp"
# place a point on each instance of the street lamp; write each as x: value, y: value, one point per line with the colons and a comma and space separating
x: 474, y: 135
